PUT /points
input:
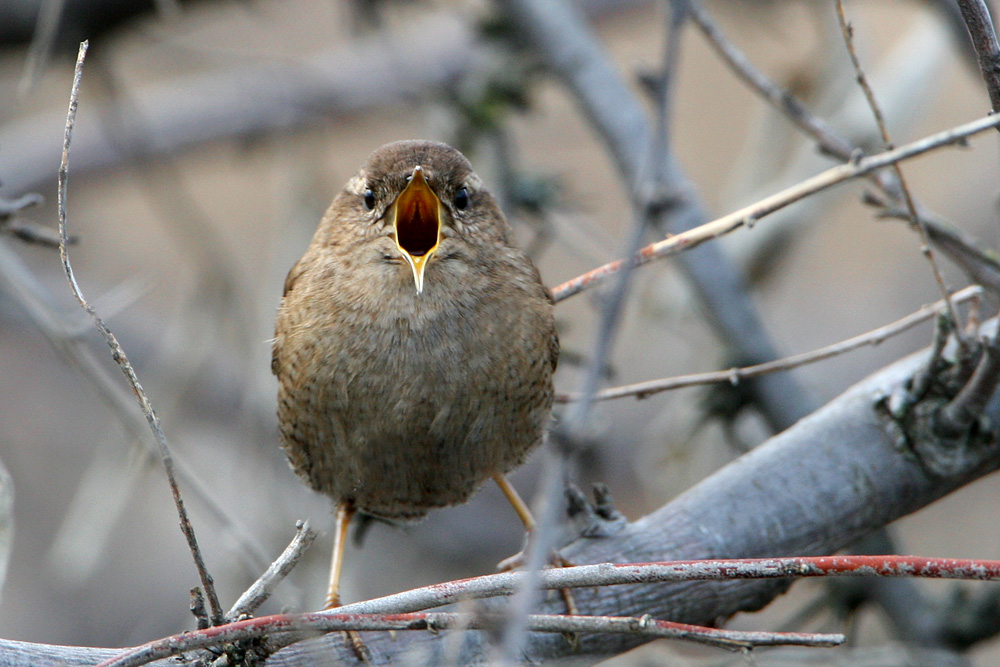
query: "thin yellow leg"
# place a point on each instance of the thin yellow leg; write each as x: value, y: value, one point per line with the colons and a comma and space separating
x: 529, y: 524
x: 515, y: 499
x: 345, y: 511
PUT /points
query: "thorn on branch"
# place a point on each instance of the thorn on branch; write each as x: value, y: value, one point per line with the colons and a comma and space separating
x: 198, y: 608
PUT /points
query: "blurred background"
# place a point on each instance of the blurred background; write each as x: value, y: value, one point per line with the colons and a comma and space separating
x: 211, y: 136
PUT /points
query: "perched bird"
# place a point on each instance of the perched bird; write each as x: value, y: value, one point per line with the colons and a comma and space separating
x: 414, y: 346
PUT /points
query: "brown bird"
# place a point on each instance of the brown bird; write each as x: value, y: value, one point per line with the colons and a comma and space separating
x: 415, y: 344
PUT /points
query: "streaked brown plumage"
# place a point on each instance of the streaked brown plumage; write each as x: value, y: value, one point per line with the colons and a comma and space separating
x: 415, y: 344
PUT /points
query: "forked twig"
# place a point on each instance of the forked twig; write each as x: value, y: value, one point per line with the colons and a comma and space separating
x: 961, y: 248
x: 118, y: 353
x: 261, y: 589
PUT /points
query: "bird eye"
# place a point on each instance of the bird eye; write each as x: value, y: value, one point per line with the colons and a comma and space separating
x: 462, y: 199
x: 369, y: 199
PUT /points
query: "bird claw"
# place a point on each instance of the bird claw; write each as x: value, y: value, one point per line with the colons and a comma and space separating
x: 353, y: 640
x: 351, y: 637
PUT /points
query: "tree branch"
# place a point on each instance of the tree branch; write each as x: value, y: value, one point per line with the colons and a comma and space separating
x: 119, y: 356
x: 750, y: 215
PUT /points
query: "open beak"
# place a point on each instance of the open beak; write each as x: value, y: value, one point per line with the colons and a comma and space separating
x: 417, y: 221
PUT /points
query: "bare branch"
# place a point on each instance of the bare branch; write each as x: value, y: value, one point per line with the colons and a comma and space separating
x: 825, y: 136
x: 118, y: 353
x: 285, y: 629
x: 734, y: 375
x: 748, y: 509
x: 750, y: 215
x: 559, y: 32
x: 261, y: 589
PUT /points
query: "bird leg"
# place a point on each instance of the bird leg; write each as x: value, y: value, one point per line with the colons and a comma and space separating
x: 515, y: 499
x: 345, y: 512
x: 530, y: 525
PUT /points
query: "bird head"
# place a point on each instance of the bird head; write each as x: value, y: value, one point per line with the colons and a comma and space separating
x: 423, y: 202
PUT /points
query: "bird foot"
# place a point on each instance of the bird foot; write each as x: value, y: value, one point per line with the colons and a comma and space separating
x: 352, y: 637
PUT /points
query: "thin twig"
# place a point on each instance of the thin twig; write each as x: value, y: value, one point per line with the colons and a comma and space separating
x: 261, y: 589
x: 63, y: 336
x: 984, y: 40
x: 275, y: 627
x: 651, y: 202
x: 118, y: 354
x: 613, y: 574
x: 961, y: 247
x: 736, y: 375
x: 384, y: 614
x: 915, y: 219
x: 572, y: 51
x: 749, y: 215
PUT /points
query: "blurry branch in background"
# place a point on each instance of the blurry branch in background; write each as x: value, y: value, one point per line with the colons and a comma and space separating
x: 42, y: 43
x: 654, y: 201
x: 64, y: 336
x: 254, y: 99
x: 118, y: 354
x: 30, y: 232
